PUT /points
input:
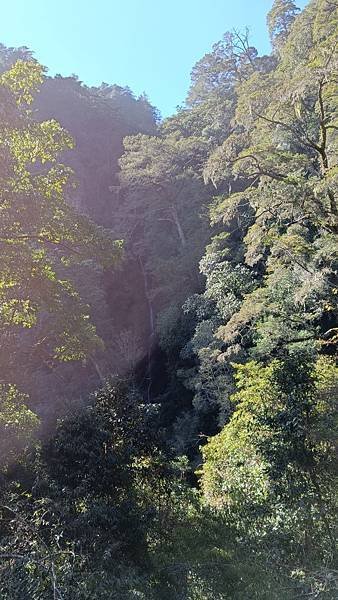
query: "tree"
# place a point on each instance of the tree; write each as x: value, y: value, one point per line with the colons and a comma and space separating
x: 231, y: 60
x: 18, y: 426
x: 41, y: 235
x: 243, y: 376
x: 280, y: 19
x: 78, y: 529
x: 271, y: 469
x: 276, y: 220
x: 162, y: 217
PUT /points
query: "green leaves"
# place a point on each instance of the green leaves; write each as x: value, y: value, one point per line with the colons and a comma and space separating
x: 274, y: 451
x: 18, y: 426
x: 41, y: 236
x: 266, y: 323
x: 23, y: 80
x: 280, y: 19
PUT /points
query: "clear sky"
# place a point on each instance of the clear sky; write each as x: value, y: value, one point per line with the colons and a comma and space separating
x: 150, y: 45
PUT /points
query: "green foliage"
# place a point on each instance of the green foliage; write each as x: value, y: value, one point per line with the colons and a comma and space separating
x: 271, y: 470
x: 23, y: 79
x: 237, y: 347
x: 78, y: 529
x: 279, y: 20
x: 40, y: 233
x: 18, y: 426
x: 163, y: 217
x: 266, y: 323
x: 281, y: 217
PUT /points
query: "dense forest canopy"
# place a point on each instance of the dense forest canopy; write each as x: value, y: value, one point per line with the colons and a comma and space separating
x: 169, y: 327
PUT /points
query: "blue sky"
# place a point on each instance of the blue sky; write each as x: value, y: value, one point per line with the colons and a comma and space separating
x: 150, y: 45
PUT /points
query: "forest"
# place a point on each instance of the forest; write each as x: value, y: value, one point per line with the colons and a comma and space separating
x: 169, y: 327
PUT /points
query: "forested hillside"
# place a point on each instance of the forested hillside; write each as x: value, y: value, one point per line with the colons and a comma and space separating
x: 169, y: 327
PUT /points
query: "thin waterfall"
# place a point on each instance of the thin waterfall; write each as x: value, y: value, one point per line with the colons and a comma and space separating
x: 151, y: 326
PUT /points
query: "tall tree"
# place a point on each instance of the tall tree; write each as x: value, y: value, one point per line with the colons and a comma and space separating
x: 280, y: 19
x: 41, y: 236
